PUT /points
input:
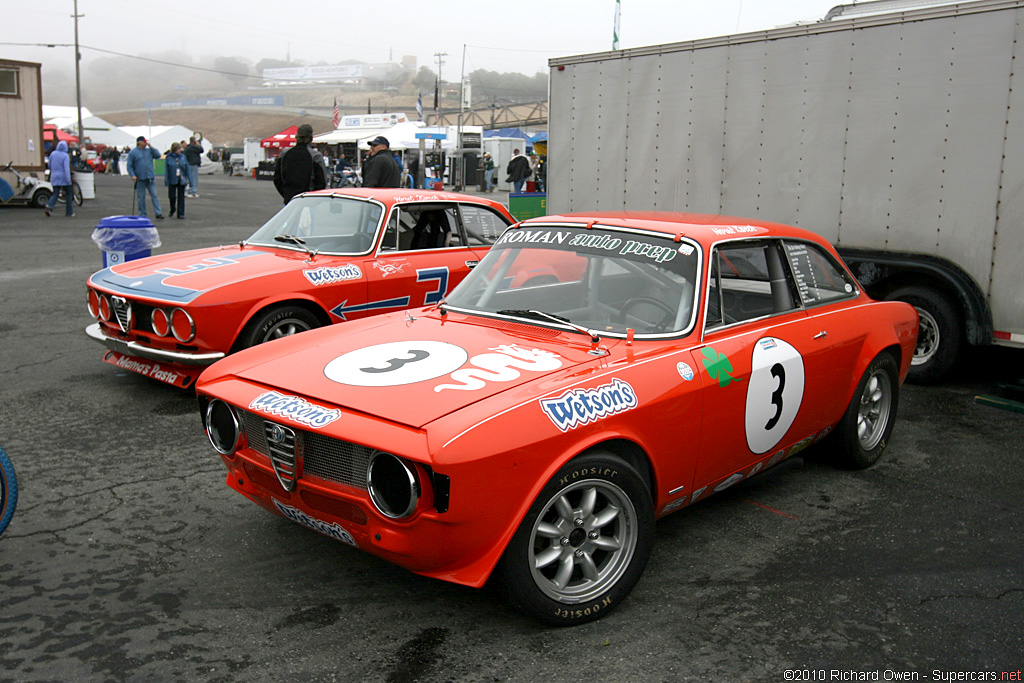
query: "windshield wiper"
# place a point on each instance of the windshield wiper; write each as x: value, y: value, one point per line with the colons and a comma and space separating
x: 532, y: 313
x: 293, y: 239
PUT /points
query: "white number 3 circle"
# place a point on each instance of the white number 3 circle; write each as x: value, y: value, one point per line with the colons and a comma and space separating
x: 774, y: 394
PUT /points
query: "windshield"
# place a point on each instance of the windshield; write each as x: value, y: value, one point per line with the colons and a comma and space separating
x: 335, y: 225
x: 603, y: 279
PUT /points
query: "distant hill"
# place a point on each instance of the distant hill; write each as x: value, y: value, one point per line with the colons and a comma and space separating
x: 222, y: 126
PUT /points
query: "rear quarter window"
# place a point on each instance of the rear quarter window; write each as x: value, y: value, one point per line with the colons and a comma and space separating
x: 819, y: 279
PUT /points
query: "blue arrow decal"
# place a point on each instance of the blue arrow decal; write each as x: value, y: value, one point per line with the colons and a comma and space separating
x: 341, y: 309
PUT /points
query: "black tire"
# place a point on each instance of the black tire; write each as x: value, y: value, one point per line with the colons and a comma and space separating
x: 939, y: 336
x: 8, y: 490
x: 40, y: 198
x: 277, y: 322
x: 864, y: 431
x: 76, y: 193
x: 570, y: 530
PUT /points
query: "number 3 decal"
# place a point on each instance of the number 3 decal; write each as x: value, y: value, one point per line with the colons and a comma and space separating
x: 774, y: 393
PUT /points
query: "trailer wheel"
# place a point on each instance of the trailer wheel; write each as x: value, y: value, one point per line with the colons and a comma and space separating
x: 939, y: 336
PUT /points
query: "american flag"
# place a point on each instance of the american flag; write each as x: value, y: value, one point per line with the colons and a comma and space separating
x: 336, y: 121
x: 419, y: 107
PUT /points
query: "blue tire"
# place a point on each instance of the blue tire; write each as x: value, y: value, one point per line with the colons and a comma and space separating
x: 8, y: 490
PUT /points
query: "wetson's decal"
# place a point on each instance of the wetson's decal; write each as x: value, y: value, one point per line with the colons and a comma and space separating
x: 327, y: 275
x: 334, y: 530
x: 294, y: 408
x: 578, y: 407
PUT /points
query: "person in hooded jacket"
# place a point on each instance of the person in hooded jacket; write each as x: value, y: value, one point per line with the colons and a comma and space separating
x: 60, y: 178
x: 176, y: 179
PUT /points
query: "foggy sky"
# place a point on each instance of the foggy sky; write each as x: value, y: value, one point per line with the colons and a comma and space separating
x: 501, y: 37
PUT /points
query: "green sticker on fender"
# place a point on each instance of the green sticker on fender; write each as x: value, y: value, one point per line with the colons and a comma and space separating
x: 718, y: 366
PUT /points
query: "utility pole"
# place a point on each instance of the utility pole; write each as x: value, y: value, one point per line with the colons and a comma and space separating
x: 437, y: 111
x: 460, y: 183
x: 78, y: 79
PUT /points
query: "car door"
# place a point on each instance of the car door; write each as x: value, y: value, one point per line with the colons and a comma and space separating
x: 762, y: 357
x: 423, y: 254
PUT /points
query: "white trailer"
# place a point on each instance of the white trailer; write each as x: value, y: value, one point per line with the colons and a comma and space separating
x: 899, y: 137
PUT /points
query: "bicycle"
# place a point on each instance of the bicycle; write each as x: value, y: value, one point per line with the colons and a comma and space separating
x: 8, y: 490
x: 76, y: 194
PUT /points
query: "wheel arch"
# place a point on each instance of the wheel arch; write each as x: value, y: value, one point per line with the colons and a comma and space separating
x: 881, y: 273
x: 618, y: 446
x: 309, y: 305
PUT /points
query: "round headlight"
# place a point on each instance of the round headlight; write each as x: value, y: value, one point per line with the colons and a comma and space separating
x: 222, y: 426
x: 160, y: 322
x: 94, y: 303
x: 182, y: 326
x: 104, y: 308
x: 394, y: 490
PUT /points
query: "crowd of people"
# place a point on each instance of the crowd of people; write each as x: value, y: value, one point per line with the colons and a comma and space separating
x: 299, y: 169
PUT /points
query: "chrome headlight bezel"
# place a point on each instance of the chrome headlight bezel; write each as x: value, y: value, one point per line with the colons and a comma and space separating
x: 225, y: 444
x: 393, y: 485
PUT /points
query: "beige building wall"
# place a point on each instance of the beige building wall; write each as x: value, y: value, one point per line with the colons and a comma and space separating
x: 21, y: 119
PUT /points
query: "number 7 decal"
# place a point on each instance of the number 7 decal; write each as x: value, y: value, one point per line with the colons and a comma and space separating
x: 439, y: 274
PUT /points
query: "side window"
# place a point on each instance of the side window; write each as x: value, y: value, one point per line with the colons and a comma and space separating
x: 819, y: 279
x: 482, y: 225
x: 748, y: 280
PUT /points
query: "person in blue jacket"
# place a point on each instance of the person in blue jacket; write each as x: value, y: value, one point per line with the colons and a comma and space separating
x: 140, y: 168
x: 176, y: 179
x: 60, y: 178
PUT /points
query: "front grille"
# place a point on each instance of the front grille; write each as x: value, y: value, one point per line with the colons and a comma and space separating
x: 129, y: 315
x: 122, y: 309
x: 284, y: 447
x: 326, y: 457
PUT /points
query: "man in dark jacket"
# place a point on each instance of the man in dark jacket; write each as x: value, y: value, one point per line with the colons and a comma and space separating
x: 301, y: 168
x: 380, y: 169
x: 518, y: 170
x: 193, y: 155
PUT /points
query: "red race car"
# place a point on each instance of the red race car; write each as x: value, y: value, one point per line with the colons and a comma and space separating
x: 593, y: 373
x: 326, y: 257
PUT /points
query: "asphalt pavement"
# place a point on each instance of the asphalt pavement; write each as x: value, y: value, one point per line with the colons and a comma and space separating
x: 129, y: 559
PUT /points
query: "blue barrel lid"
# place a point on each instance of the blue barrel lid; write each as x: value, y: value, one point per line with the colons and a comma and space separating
x: 125, y: 222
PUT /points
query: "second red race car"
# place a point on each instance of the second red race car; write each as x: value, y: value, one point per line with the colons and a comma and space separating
x: 326, y: 257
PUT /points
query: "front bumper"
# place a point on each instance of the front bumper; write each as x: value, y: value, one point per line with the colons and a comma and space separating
x: 132, y: 348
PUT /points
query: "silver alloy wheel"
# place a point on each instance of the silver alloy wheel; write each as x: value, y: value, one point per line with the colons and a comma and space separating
x: 583, y: 541
x: 928, y: 337
x: 875, y: 409
x: 285, y: 328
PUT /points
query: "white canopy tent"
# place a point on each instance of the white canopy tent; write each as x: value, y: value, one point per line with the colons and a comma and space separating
x: 348, y: 135
x: 403, y: 136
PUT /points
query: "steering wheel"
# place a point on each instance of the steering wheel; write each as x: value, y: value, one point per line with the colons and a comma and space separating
x: 661, y: 324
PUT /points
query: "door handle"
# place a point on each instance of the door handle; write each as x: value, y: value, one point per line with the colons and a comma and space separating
x: 821, y: 335
x: 472, y: 264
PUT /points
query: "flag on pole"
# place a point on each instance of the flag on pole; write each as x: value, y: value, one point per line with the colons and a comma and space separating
x: 337, y: 115
x: 419, y: 107
x: 615, y: 32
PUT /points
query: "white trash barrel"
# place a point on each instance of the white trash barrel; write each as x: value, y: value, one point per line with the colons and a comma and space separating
x: 87, y: 183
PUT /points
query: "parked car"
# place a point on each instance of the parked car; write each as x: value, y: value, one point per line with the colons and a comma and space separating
x: 326, y: 257
x: 593, y: 373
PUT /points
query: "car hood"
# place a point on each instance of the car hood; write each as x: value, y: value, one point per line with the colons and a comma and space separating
x: 183, y: 276
x: 410, y: 372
